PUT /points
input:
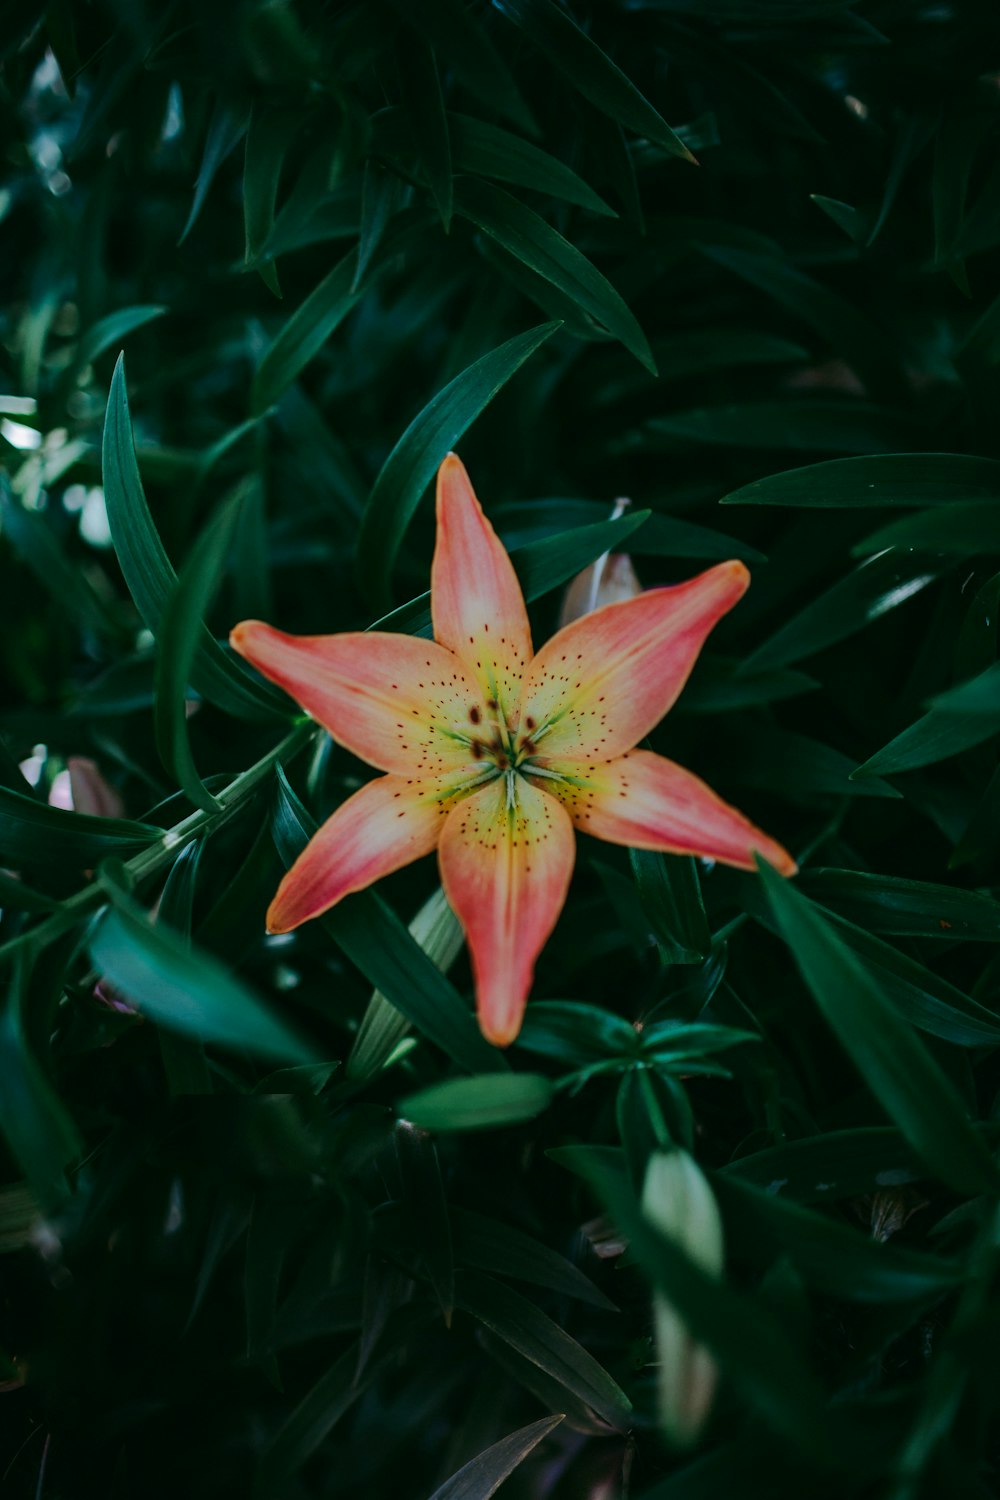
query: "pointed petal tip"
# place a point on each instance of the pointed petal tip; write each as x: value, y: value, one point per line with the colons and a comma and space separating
x: 778, y: 858
x: 500, y: 1035
x: 242, y: 635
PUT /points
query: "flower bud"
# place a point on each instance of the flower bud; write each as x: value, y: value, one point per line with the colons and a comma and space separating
x: 677, y: 1200
x: 607, y: 581
x: 82, y: 788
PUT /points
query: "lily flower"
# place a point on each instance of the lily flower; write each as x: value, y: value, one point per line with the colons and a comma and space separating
x: 494, y: 754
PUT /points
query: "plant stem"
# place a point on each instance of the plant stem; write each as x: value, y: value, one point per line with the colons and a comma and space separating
x: 158, y: 856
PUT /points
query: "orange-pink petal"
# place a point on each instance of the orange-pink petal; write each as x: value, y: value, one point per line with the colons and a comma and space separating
x: 647, y: 802
x: 506, y: 857
x: 387, y: 824
x: 476, y: 601
x: 603, y: 681
x: 401, y: 703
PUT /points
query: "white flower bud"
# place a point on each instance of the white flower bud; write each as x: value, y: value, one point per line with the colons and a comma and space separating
x: 677, y: 1200
x: 607, y: 581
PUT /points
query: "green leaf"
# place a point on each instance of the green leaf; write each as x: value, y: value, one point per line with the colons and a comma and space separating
x: 591, y: 71
x: 110, y: 330
x: 428, y: 1213
x: 417, y: 455
x: 478, y: 1103
x: 149, y: 573
x: 456, y: 34
x: 39, y: 1131
x: 427, y: 122
x: 483, y: 1475
x: 829, y: 1255
x: 34, y: 836
x: 527, y: 236
x: 865, y: 594
x: 181, y: 630
x: 800, y: 768
x: 305, y: 333
x: 185, y: 989
x: 490, y: 1245
x: 383, y: 1027
x: 227, y: 126
x: 34, y: 538
x: 376, y: 941
x: 269, y: 136
x: 838, y: 1164
x: 488, y: 150
x: 836, y: 424
x: 891, y: 1059
x: 888, y: 479
x: 575, y: 1034
x: 670, y: 895
x: 905, y: 908
x: 521, y: 521
x: 956, y: 720
x: 534, y: 1335
x: 966, y: 529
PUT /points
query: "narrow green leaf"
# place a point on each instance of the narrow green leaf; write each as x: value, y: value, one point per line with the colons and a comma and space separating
x: 150, y: 575
x: 865, y: 594
x: 185, y: 989
x: 534, y: 1335
x: 305, y: 333
x: 415, y: 458
x: 269, y: 136
x: 34, y: 836
x: 905, y: 908
x: 891, y: 1059
x: 965, y: 529
x: 884, y: 479
x: 829, y: 1255
x: 483, y: 1103
x: 490, y: 1245
x: 591, y: 71
x: 527, y: 236
x: 428, y: 1212
x: 838, y: 1164
x: 458, y: 36
x: 228, y: 124
x: 183, y: 1056
x: 575, y: 1034
x: 670, y: 895
x: 181, y: 630
x: 427, y: 122
x: 522, y: 522
x: 374, y: 939
x: 110, y: 330
x: 955, y: 721
x: 836, y: 424
x: 40, y: 1133
x: 488, y: 150
x: 483, y: 1475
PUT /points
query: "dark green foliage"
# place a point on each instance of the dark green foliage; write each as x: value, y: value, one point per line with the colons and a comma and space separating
x: 383, y: 1259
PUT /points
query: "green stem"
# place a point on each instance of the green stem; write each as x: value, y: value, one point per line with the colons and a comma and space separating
x: 164, y: 851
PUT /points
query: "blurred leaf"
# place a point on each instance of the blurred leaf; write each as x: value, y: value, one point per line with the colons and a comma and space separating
x: 591, y: 71
x: 800, y: 769
x: 183, y: 1056
x: 882, y: 480
x: 381, y: 197
x: 456, y: 33
x: 304, y: 334
x: 35, y: 836
x: 865, y: 594
x: 40, y: 1133
x: 416, y: 456
x: 181, y: 630
x: 575, y: 1034
x: 482, y: 1103
x: 269, y: 136
x: 906, y: 908
x: 892, y: 1061
x: 374, y: 939
x: 961, y: 530
x: 149, y: 573
x: 427, y: 122
x: 837, y: 424
x: 670, y: 895
x: 483, y: 1475
x: 490, y: 1245
x: 227, y: 127
x: 111, y: 329
x: 837, y: 1164
x: 527, y: 236
x: 184, y: 989
x: 830, y: 1256
x: 427, y: 1211
x: 956, y: 720
x: 534, y: 1335
x: 33, y: 536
